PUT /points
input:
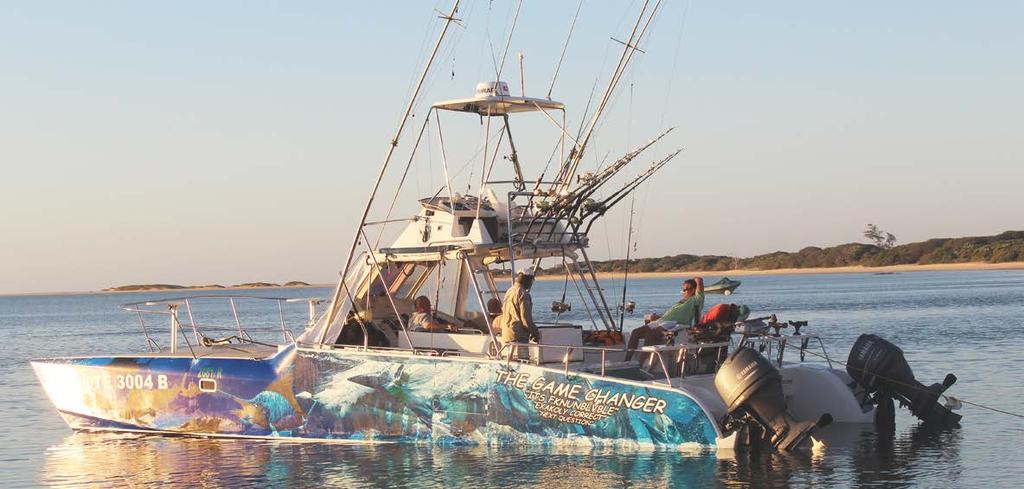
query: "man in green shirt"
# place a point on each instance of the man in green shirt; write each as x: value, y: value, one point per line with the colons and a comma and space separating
x: 683, y: 314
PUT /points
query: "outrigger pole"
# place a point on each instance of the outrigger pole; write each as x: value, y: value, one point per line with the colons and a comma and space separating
x: 332, y: 311
x: 627, y: 54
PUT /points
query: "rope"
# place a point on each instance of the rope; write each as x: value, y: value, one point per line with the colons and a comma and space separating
x: 675, y: 61
x: 913, y: 387
x: 508, y: 42
x: 405, y: 173
x: 989, y: 408
x: 558, y: 67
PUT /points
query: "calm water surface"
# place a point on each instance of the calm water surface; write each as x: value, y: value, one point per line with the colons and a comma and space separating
x: 969, y: 323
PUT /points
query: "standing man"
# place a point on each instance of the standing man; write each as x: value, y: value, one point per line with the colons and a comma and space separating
x: 683, y: 314
x: 517, y: 311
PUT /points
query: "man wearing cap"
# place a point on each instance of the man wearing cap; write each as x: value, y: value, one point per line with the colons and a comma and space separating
x: 517, y: 311
x: 683, y: 314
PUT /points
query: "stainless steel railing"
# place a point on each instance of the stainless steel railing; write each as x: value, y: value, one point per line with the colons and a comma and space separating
x: 508, y: 352
x: 768, y: 343
x: 172, y: 307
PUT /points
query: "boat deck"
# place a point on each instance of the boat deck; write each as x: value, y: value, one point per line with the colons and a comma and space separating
x: 256, y: 352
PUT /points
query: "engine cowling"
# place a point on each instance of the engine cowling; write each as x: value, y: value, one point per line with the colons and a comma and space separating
x: 752, y: 390
x: 880, y: 367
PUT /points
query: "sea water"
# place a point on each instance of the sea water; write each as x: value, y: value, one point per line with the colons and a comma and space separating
x: 968, y: 323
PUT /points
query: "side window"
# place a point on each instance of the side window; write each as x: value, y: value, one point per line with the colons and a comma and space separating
x: 389, y: 273
x: 407, y: 280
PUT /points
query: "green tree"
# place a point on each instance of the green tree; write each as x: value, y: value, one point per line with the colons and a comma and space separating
x: 881, y: 239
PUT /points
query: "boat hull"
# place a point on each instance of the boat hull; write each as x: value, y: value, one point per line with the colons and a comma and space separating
x: 359, y: 396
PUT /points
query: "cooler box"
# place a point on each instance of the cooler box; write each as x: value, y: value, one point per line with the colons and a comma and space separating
x: 568, y: 334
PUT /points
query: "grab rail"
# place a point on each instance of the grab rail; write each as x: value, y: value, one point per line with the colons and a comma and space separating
x: 170, y: 307
x: 767, y: 340
x: 655, y: 351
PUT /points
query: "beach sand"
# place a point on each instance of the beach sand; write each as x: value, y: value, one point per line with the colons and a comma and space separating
x: 1018, y: 265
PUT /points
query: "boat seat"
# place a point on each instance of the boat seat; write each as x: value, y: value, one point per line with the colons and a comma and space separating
x: 477, y: 344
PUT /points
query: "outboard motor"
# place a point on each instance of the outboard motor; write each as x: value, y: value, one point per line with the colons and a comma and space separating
x: 879, y: 366
x: 752, y: 390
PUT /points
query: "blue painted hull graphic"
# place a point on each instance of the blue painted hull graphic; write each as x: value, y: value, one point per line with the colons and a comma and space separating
x: 369, y: 397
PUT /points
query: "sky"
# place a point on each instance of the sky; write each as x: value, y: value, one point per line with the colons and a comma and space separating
x: 226, y: 142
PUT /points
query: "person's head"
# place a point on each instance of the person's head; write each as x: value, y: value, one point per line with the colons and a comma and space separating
x: 742, y: 312
x: 493, y: 306
x: 422, y: 304
x: 689, y: 287
x: 525, y: 278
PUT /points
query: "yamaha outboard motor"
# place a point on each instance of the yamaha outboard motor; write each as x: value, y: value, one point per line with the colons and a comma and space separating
x: 879, y: 366
x: 752, y: 390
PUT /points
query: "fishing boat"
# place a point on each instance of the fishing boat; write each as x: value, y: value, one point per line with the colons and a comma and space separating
x: 358, y: 373
x: 724, y: 286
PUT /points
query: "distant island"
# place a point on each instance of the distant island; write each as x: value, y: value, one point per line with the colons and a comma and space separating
x: 247, y: 285
x: 939, y: 253
x: 1007, y: 247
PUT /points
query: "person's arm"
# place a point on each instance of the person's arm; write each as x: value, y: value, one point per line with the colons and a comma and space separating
x: 527, y: 314
x: 673, y: 327
x: 698, y: 301
x: 433, y: 325
x: 674, y: 318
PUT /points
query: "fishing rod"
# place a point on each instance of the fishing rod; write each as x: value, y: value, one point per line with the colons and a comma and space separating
x: 625, y: 273
x: 564, y: 206
x: 598, y: 209
x: 590, y: 185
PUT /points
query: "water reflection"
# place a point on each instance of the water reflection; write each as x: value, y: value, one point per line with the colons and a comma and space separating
x: 854, y: 456
x: 889, y: 460
x: 102, y: 460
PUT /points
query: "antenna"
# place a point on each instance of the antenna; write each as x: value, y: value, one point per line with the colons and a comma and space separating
x: 522, y: 78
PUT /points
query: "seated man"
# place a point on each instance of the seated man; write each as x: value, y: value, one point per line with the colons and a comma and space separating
x: 423, y: 318
x: 494, y: 313
x: 683, y: 314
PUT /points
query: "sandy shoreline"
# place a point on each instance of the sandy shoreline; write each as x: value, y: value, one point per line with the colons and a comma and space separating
x: 938, y: 267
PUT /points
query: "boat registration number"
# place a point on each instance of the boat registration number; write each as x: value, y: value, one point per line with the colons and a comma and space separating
x: 132, y: 381
x: 139, y: 381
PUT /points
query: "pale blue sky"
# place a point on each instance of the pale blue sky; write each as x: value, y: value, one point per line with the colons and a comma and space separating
x: 220, y: 142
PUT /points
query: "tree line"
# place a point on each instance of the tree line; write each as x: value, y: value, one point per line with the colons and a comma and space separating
x: 1001, y: 248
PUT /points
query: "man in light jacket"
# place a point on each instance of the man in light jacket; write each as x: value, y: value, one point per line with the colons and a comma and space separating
x: 517, y: 311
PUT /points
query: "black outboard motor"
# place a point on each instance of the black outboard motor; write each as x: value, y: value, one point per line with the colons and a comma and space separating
x: 752, y: 390
x: 879, y: 366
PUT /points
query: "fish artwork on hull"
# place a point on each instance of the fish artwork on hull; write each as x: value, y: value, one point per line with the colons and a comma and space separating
x: 307, y: 394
